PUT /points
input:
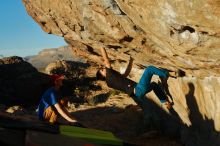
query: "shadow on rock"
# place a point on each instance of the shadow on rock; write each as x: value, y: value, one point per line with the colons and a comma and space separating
x: 79, y: 88
x: 202, y: 131
x: 154, y: 118
x: 20, y: 82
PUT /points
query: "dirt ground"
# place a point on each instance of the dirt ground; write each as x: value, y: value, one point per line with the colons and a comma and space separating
x: 96, y: 106
x: 120, y: 115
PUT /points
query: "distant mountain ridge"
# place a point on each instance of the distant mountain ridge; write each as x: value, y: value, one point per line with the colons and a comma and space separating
x: 47, y: 56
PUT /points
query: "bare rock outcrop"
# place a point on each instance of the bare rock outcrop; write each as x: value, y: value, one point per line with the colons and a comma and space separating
x: 196, y: 110
x: 68, y: 68
x: 20, y: 82
x: 183, y: 34
x: 168, y: 34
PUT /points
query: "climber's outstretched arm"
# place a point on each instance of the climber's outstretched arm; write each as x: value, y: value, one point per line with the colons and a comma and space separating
x: 105, y: 57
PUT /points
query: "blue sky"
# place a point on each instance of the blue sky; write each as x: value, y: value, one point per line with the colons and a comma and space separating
x: 19, y: 34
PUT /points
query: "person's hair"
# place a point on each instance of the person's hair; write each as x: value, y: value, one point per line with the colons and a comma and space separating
x: 99, y: 76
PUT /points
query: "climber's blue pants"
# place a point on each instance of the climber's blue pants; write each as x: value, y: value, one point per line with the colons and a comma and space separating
x: 144, y: 86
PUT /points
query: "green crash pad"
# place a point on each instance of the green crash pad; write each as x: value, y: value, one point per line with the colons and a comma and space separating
x: 38, y: 138
x: 86, y: 134
x: 91, y: 135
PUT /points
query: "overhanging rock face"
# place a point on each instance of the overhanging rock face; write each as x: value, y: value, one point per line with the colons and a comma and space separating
x: 168, y: 33
x: 181, y: 34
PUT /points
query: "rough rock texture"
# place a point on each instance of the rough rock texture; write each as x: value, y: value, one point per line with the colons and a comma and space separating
x: 171, y: 34
x: 196, y: 105
x: 166, y: 33
x: 20, y: 82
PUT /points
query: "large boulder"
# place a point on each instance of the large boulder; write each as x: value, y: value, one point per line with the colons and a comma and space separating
x: 183, y: 34
x: 169, y: 34
x: 71, y: 69
x: 20, y: 82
